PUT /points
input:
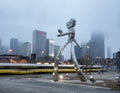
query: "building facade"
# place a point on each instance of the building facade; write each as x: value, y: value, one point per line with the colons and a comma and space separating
x: 109, y: 53
x: 98, y: 38
x: 14, y: 46
x: 25, y: 49
x: 56, y: 50
x: 84, y: 50
x: 92, y: 49
x: 62, y: 58
x: 114, y: 55
x: 39, y: 44
x: 78, y: 52
x: 49, y: 50
x: 1, y: 47
x: 118, y: 61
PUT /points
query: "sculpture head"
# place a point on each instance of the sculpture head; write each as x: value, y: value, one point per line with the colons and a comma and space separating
x: 71, y: 23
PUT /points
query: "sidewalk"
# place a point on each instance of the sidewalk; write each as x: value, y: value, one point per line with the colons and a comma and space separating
x: 105, y: 75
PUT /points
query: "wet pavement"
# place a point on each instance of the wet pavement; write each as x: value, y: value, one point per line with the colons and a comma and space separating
x: 41, y: 84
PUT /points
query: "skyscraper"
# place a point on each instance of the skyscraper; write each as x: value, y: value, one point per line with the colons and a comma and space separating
x: 14, y: 46
x: 114, y: 55
x: 99, y: 39
x: 78, y: 52
x: 50, y: 49
x: 83, y: 45
x: 5, y: 50
x: 109, y: 52
x: 39, y: 44
x: 1, y: 47
x: 92, y: 49
x: 56, y: 50
x: 25, y: 49
x: 118, y: 61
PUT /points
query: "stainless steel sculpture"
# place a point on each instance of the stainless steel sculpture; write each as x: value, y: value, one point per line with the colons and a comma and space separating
x: 71, y: 39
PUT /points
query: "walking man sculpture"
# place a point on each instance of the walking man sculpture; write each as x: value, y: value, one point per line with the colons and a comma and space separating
x: 71, y: 39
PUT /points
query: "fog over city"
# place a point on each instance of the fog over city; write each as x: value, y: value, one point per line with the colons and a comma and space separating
x: 18, y: 19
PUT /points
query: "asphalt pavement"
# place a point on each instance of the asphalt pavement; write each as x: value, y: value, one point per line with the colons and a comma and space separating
x: 44, y: 84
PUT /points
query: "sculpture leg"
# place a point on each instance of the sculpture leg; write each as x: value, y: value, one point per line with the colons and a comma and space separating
x: 76, y: 43
x: 56, y: 63
x: 77, y: 68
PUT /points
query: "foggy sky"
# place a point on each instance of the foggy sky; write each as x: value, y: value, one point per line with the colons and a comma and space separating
x: 18, y: 19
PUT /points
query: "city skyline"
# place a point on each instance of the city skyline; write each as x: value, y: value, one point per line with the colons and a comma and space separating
x: 66, y: 51
x: 19, y: 18
x: 38, y: 36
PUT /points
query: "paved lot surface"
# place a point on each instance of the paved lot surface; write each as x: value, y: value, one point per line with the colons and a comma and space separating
x: 105, y: 75
x: 44, y: 84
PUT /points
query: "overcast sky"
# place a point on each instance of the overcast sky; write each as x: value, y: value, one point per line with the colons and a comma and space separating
x: 18, y: 19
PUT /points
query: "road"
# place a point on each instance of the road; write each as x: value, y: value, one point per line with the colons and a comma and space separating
x: 22, y: 84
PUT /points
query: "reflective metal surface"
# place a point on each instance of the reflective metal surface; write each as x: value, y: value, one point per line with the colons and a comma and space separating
x: 71, y: 34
